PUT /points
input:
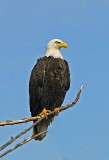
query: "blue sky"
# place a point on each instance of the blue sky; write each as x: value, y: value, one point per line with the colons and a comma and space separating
x: 25, y: 28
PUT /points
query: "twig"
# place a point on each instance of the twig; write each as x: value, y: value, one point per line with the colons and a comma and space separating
x: 24, y: 120
x: 39, y: 120
x: 21, y: 143
x: 20, y: 134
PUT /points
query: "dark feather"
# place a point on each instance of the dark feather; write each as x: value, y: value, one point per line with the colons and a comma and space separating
x: 49, y: 82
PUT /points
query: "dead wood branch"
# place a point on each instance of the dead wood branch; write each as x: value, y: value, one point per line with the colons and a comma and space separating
x: 39, y: 119
x: 21, y: 143
x: 24, y: 120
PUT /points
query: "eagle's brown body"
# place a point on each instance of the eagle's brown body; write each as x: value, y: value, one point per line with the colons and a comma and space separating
x: 49, y: 82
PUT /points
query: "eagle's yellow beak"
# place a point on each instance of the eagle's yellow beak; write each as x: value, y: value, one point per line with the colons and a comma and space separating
x: 63, y: 44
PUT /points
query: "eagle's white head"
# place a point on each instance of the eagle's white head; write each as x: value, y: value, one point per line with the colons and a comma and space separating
x: 53, y: 48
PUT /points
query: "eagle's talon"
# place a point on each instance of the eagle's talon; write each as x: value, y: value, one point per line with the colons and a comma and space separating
x: 57, y: 111
x: 38, y: 117
x: 44, y: 112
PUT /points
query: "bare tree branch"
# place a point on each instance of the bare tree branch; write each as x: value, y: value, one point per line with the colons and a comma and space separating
x: 20, y: 134
x: 24, y: 120
x: 39, y: 119
x: 21, y: 143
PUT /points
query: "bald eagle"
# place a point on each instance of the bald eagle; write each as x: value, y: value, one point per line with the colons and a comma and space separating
x: 49, y: 82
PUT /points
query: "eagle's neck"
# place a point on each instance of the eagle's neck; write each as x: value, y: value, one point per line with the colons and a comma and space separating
x: 53, y: 52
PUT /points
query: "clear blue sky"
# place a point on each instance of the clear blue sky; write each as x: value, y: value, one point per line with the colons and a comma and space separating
x: 26, y: 26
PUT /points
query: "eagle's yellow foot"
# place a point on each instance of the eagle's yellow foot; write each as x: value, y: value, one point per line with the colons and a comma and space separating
x: 57, y: 110
x: 38, y: 117
x: 44, y: 112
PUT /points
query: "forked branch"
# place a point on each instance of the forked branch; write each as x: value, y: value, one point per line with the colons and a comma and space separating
x: 39, y: 119
x: 21, y: 143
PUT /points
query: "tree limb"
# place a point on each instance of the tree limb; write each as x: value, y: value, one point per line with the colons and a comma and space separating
x: 24, y: 120
x: 39, y: 119
x: 21, y: 143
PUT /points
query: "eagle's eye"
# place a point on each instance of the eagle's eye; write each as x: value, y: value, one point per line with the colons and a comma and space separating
x: 57, y: 42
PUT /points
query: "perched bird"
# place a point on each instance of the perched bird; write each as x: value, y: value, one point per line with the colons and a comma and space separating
x: 49, y: 82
